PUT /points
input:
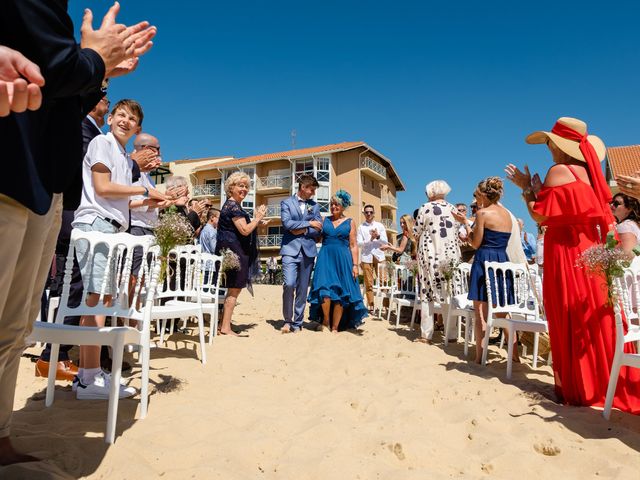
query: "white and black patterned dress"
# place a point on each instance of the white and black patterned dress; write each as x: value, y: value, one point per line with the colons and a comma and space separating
x: 436, y: 232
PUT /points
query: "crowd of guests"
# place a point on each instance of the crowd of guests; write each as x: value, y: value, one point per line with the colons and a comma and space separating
x: 65, y: 172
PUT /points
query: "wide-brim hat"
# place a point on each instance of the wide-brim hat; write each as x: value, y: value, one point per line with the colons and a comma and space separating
x: 570, y: 147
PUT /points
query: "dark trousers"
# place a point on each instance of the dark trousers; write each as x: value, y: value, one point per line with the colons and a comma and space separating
x: 272, y: 277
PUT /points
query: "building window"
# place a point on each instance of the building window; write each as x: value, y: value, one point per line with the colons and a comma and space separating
x: 304, y: 167
x: 322, y: 170
x: 275, y: 231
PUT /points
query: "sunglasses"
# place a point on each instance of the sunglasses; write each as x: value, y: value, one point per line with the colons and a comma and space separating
x: 616, y: 203
x: 369, y: 212
x: 150, y: 147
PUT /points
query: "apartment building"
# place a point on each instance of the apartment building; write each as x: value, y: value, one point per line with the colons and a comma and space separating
x: 356, y: 167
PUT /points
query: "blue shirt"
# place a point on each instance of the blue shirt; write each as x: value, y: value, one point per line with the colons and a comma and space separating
x: 528, y: 245
x: 208, y: 238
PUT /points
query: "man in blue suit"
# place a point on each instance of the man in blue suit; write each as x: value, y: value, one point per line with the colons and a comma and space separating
x: 302, y: 225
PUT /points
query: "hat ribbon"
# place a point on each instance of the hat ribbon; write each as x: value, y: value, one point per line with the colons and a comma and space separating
x: 599, y: 184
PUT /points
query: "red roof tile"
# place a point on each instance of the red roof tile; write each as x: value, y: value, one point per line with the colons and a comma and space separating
x: 334, y: 147
x: 624, y: 160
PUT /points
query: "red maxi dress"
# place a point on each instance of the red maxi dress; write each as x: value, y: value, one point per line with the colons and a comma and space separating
x: 581, y: 326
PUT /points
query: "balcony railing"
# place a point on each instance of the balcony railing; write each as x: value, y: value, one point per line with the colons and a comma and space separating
x: 375, y: 167
x: 274, y: 182
x: 389, y: 224
x: 269, y: 241
x: 388, y: 201
x: 273, y: 211
x: 212, y: 189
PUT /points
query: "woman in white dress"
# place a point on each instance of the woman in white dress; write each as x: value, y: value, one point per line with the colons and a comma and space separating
x: 436, y: 232
x: 627, y: 212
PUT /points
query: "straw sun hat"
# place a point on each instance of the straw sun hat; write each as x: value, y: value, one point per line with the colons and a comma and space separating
x: 570, y: 147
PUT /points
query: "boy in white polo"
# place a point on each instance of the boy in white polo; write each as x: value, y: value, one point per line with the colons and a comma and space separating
x: 104, y: 207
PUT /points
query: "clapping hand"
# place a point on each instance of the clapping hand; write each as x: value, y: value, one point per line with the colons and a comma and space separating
x: 261, y: 211
x: 520, y: 179
x: 316, y: 224
x: 536, y: 183
x: 145, y: 158
x: 629, y: 185
x: 16, y: 93
x: 460, y: 217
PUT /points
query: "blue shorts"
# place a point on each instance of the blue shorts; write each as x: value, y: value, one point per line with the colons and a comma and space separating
x: 93, y: 272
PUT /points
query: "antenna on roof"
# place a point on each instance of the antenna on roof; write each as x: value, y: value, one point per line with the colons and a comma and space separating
x: 293, y: 138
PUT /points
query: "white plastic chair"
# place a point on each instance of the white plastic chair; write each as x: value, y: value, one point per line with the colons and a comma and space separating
x: 210, y: 296
x: 383, y: 284
x: 404, y: 293
x: 182, y: 283
x: 523, y: 312
x: 460, y: 307
x: 121, y: 307
x: 620, y: 358
x: 629, y: 293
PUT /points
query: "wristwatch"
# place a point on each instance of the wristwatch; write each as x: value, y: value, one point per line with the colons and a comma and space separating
x: 146, y: 192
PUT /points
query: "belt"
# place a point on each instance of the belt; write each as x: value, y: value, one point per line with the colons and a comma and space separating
x: 114, y: 223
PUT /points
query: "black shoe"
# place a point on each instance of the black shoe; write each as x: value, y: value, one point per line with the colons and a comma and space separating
x: 106, y: 364
x: 495, y: 340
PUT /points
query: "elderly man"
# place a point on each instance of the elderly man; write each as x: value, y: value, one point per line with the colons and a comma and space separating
x: 371, y: 236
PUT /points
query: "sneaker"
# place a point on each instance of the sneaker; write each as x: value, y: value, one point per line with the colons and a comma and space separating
x: 74, y: 385
x: 99, y: 389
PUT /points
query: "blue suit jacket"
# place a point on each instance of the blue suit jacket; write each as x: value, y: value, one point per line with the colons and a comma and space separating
x: 293, y: 219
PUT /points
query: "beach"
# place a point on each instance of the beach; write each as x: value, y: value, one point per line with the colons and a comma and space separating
x: 369, y: 404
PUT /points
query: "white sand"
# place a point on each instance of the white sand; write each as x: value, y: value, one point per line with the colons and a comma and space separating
x: 317, y: 405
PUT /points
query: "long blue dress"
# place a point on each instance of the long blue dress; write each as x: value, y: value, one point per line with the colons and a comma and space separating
x: 333, y: 277
x: 492, y: 249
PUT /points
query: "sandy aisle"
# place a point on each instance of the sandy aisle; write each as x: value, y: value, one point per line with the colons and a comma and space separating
x: 314, y: 405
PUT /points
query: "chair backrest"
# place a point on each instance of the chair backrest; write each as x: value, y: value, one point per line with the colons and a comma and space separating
x: 181, y: 273
x: 628, y: 291
x: 119, y: 247
x: 406, y: 282
x: 617, y: 310
x: 385, y: 278
x: 210, y: 271
x: 508, y: 289
x: 461, y: 276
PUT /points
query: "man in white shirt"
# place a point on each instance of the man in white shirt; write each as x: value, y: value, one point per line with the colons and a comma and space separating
x: 371, y: 236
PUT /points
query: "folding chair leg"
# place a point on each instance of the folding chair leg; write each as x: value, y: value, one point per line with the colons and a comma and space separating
x: 536, y: 340
x: 51, y: 379
x: 611, y: 389
x: 145, y: 355
x: 114, y: 394
x: 202, y: 341
x: 510, y: 352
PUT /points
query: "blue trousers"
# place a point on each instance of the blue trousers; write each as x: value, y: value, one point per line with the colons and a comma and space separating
x: 296, y: 272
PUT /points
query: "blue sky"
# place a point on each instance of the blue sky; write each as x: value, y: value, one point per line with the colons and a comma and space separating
x: 444, y: 89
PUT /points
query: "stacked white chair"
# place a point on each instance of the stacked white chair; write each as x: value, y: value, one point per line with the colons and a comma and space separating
x: 523, y: 314
x: 383, y: 284
x: 460, y: 307
x: 629, y: 293
x: 621, y: 358
x: 404, y: 293
x: 137, y: 308
x: 183, y: 285
x: 209, y: 291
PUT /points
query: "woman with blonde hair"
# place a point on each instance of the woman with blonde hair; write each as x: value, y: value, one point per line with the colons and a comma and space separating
x: 407, y: 248
x: 490, y: 237
x: 237, y: 232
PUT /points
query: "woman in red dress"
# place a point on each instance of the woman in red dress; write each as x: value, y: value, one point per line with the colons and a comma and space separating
x: 574, y: 205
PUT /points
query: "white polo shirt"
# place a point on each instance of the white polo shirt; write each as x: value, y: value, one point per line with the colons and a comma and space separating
x: 371, y: 248
x: 144, y: 216
x: 106, y: 150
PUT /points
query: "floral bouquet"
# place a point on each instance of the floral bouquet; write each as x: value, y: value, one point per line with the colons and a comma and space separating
x: 608, y: 261
x: 448, y: 270
x: 230, y: 261
x: 172, y: 230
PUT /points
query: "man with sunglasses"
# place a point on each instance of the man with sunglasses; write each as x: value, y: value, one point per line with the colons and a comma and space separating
x: 371, y: 236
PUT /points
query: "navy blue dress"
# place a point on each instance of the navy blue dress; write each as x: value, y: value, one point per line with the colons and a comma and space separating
x: 333, y: 277
x: 243, y: 245
x: 492, y: 249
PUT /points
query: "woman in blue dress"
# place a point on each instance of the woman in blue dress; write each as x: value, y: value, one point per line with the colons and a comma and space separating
x: 335, y: 298
x: 490, y: 236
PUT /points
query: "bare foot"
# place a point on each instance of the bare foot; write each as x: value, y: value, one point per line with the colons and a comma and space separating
x: 9, y: 456
x: 334, y: 330
x: 422, y: 340
x: 231, y: 333
x: 286, y: 328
